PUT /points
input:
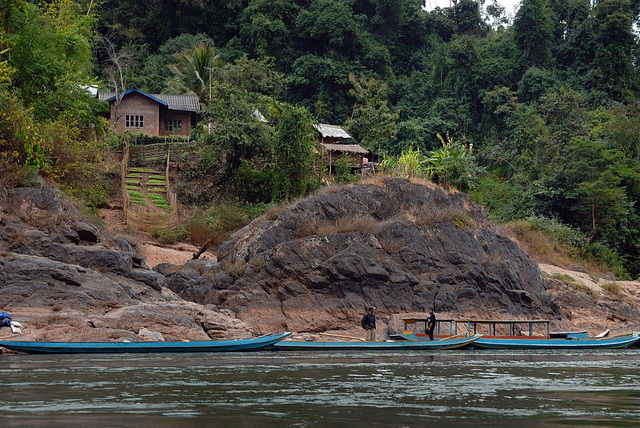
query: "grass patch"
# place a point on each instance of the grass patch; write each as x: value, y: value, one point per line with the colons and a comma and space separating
x: 158, y: 190
x: 346, y: 224
x: 134, y: 175
x: 153, y: 181
x: 137, y: 198
x: 159, y: 201
x: 586, y: 289
x: 431, y: 216
x: 274, y: 212
x: 567, y: 279
x: 135, y: 194
x: 158, y: 177
x: 141, y: 169
x: 616, y: 292
x: 132, y: 181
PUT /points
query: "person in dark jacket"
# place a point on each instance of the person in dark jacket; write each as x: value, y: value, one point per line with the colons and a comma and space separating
x: 431, y: 324
x: 369, y: 324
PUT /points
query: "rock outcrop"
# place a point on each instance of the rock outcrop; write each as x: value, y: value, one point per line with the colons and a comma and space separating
x: 310, y: 267
x: 64, y: 281
x: 397, y: 245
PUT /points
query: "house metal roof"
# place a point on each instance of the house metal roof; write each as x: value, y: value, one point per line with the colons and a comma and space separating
x: 351, y: 148
x: 172, y: 102
x: 331, y: 131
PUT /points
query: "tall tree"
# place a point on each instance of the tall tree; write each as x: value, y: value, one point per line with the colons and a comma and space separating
x: 534, y: 32
x: 614, y: 45
x: 193, y: 74
x: 372, y: 122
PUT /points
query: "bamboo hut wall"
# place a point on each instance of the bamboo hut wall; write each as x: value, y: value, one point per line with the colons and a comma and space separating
x: 332, y: 157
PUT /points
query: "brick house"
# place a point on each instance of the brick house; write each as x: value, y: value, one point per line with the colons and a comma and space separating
x: 152, y: 114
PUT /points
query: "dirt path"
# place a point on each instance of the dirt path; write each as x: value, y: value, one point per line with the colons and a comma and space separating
x: 152, y: 252
x: 177, y: 254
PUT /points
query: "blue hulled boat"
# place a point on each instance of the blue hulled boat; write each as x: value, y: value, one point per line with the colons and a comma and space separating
x: 441, y: 344
x: 616, y: 342
x: 514, y: 337
x: 254, y: 344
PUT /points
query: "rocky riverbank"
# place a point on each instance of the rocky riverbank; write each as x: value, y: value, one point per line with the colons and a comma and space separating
x: 310, y: 267
x: 63, y: 280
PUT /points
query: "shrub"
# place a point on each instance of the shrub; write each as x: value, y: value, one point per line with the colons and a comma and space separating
x: 171, y: 235
x: 343, y: 171
x: 254, y: 186
x: 275, y: 211
x: 616, y: 292
x: 220, y: 220
x: 612, y: 288
x: 559, y: 232
x: 604, y: 255
x: 235, y: 269
x: 553, y: 242
x: 142, y: 139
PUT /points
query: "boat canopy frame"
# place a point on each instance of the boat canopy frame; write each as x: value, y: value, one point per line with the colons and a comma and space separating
x: 473, y: 324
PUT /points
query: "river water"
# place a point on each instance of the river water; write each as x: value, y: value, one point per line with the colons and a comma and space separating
x: 450, y: 388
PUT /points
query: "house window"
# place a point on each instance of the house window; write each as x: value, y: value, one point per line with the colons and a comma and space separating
x: 134, y: 121
x: 172, y: 125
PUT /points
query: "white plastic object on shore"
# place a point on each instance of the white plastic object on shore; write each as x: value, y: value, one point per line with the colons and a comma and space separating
x: 16, y: 327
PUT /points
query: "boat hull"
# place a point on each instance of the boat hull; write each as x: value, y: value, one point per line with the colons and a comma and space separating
x: 242, y: 345
x: 619, y: 342
x: 443, y: 344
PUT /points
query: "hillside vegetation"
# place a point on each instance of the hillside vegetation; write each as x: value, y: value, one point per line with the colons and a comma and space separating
x: 535, y: 116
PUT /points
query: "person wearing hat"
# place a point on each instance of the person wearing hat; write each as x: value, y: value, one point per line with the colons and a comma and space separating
x: 369, y: 324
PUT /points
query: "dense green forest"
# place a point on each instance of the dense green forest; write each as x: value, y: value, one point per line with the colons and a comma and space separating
x: 535, y: 115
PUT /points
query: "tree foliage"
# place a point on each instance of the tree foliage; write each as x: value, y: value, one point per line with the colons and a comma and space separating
x: 546, y: 106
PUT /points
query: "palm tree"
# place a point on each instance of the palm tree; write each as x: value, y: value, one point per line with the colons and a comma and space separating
x: 193, y: 73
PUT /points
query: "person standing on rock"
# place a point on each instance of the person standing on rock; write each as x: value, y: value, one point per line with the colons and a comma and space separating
x: 431, y: 324
x: 369, y: 324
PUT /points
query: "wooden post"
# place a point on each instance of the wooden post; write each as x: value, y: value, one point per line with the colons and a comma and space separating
x: 124, y: 169
x: 548, y: 332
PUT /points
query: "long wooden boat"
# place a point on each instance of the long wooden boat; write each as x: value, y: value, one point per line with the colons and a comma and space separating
x: 441, y: 344
x: 254, y: 344
x: 617, y: 342
x: 515, y: 339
